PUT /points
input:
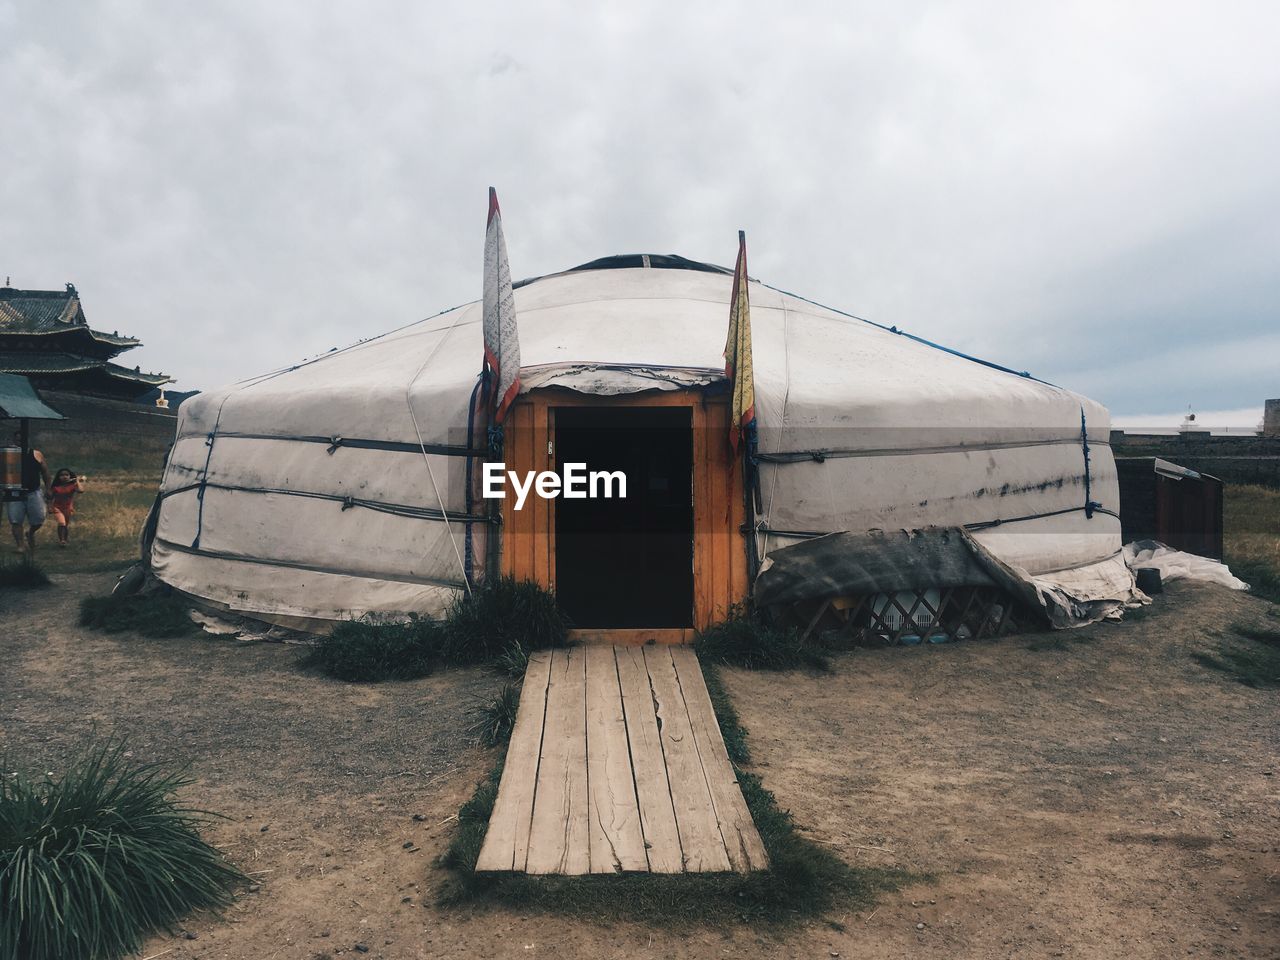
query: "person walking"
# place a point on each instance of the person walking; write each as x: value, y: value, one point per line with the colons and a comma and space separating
x: 62, y: 500
x: 29, y: 508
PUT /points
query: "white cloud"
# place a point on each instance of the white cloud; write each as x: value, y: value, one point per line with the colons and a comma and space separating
x: 1082, y: 190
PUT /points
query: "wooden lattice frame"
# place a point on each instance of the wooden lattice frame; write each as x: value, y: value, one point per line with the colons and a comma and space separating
x: 959, y: 613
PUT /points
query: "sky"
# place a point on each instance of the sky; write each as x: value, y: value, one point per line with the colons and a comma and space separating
x: 1087, y: 191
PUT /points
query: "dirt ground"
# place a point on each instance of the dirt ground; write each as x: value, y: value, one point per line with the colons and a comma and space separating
x: 1090, y: 795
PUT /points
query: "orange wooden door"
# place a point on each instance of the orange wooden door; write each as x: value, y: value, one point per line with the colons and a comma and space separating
x: 719, y: 547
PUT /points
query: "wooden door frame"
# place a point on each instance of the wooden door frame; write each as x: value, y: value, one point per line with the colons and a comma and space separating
x: 719, y: 546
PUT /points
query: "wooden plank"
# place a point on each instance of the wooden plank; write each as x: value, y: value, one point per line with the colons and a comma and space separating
x: 700, y: 840
x: 558, y: 838
x: 628, y: 637
x: 720, y: 484
x: 527, y: 459
x: 539, y: 507
x: 657, y: 815
x: 741, y: 839
x: 737, y: 540
x: 613, y: 818
x: 506, y: 843
x: 721, y: 467
x: 549, y: 416
x: 703, y: 602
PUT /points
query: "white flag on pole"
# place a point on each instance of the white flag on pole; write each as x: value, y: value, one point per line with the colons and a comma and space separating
x: 501, y: 340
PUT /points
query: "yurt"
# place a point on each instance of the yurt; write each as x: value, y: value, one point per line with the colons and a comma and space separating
x: 351, y: 484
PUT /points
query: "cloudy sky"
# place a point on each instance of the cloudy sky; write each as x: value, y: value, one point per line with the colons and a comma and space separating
x: 1085, y: 190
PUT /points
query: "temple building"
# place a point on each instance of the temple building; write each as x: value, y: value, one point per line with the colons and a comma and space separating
x: 44, y: 336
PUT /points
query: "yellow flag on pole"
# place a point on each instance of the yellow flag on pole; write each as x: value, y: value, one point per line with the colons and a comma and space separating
x: 737, y: 350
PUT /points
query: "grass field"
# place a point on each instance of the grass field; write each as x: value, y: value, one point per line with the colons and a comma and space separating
x: 104, y: 530
x: 1252, y: 537
x: 124, y: 474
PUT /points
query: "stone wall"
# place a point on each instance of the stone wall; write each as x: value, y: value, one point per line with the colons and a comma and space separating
x: 1242, y: 459
x: 104, y: 435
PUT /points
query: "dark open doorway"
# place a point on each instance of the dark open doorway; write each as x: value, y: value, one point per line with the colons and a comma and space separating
x: 627, y: 563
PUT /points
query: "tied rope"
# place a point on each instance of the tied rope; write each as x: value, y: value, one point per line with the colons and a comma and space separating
x: 408, y: 390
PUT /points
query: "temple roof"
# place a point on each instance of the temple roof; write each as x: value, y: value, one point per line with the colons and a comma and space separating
x: 49, y: 312
x: 44, y: 335
x: 32, y: 363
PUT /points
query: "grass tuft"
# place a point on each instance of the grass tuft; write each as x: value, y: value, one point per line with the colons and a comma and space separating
x: 744, y: 639
x: 92, y: 863
x: 159, y: 614
x: 495, y: 720
x: 26, y: 574
x: 803, y: 880
x: 372, y: 650
x: 508, y: 613
x: 498, y: 624
x: 513, y: 661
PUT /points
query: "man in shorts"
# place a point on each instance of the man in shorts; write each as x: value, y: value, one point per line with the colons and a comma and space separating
x: 29, y: 509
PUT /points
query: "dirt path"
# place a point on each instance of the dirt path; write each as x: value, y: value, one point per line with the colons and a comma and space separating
x: 1089, y: 795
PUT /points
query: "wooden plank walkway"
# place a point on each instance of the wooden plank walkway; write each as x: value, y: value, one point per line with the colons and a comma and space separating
x: 616, y: 764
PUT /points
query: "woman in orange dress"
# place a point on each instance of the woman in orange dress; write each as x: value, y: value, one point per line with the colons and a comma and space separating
x: 62, y: 494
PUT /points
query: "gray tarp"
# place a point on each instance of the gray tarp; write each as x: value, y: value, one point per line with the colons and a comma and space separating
x: 878, y: 561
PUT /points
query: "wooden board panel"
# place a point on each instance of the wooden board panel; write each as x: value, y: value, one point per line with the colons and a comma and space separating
x: 657, y: 815
x: 700, y: 840
x: 506, y: 843
x: 558, y: 839
x: 549, y: 418
x: 613, y: 818
x: 703, y: 587
x: 538, y: 507
x: 741, y: 839
x: 720, y: 465
x: 627, y: 637
x: 525, y: 437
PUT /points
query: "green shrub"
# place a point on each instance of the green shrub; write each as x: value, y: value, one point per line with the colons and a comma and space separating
x: 371, y: 650
x: 513, y: 661
x: 744, y: 639
x: 157, y: 614
x: 94, y: 862
x: 485, y: 625
x: 496, y: 625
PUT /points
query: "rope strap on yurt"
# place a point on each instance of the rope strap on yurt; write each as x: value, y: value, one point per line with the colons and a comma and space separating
x: 820, y: 456
x: 335, y: 443
x: 426, y: 459
x: 1089, y: 505
x: 984, y: 525
x: 912, y: 336
x: 382, y: 506
x: 468, y: 545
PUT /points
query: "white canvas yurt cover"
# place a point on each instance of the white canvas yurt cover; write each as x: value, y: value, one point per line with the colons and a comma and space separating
x: 338, y: 487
